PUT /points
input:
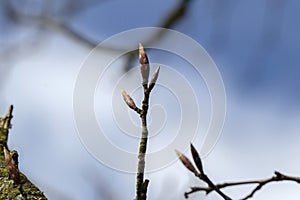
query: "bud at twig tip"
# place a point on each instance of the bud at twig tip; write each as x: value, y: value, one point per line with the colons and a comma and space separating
x: 123, y: 92
x: 186, y: 162
x: 141, y: 48
x: 144, y: 64
x: 128, y: 100
x: 7, y: 156
x: 8, y: 117
x: 155, y: 76
x: 197, y: 159
x: 178, y: 153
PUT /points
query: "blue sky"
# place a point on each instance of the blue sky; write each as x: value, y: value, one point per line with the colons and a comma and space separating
x: 254, y: 44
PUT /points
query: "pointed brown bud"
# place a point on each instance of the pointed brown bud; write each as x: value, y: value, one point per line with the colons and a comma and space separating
x: 7, y: 155
x: 186, y: 162
x: 7, y: 118
x: 144, y: 64
x: 11, y: 167
x: 197, y: 159
x: 128, y: 100
x: 154, y: 78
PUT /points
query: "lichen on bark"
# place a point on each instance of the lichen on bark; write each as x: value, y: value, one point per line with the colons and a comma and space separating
x: 9, y: 189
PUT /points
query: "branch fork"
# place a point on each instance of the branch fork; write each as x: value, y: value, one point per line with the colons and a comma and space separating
x: 141, y: 184
x: 199, y: 172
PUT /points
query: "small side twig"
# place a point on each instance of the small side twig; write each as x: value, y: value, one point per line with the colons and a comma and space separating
x: 217, y: 187
x: 6, y: 121
x: 5, y: 125
x: 277, y: 177
x: 141, y: 184
x: 200, y: 174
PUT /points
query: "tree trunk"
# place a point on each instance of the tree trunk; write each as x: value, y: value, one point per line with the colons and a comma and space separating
x: 13, y: 184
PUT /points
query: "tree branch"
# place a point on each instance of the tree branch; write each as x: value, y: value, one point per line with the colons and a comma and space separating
x: 201, y: 175
x: 217, y: 187
x: 169, y: 21
x: 141, y: 184
x: 13, y: 184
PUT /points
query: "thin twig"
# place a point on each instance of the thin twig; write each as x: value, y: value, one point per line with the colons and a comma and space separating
x: 141, y: 188
x: 201, y: 175
x: 217, y: 187
x: 276, y: 178
x: 169, y: 21
x: 51, y: 22
x: 5, y: 125
x: 141, y: 184
x: 207, y: 180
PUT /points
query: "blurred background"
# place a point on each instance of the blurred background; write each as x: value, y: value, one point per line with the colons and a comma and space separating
x: 255, y: 45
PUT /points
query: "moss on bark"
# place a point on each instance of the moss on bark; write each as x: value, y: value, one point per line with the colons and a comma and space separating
x: 9, y: 189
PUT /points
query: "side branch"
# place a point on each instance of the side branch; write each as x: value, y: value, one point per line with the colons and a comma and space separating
x: 217, y: 187
x: 260, y: 183
x: 5, y: 125
x: 200, y: 174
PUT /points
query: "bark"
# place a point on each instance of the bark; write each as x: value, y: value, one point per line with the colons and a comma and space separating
x: 13, y: 188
